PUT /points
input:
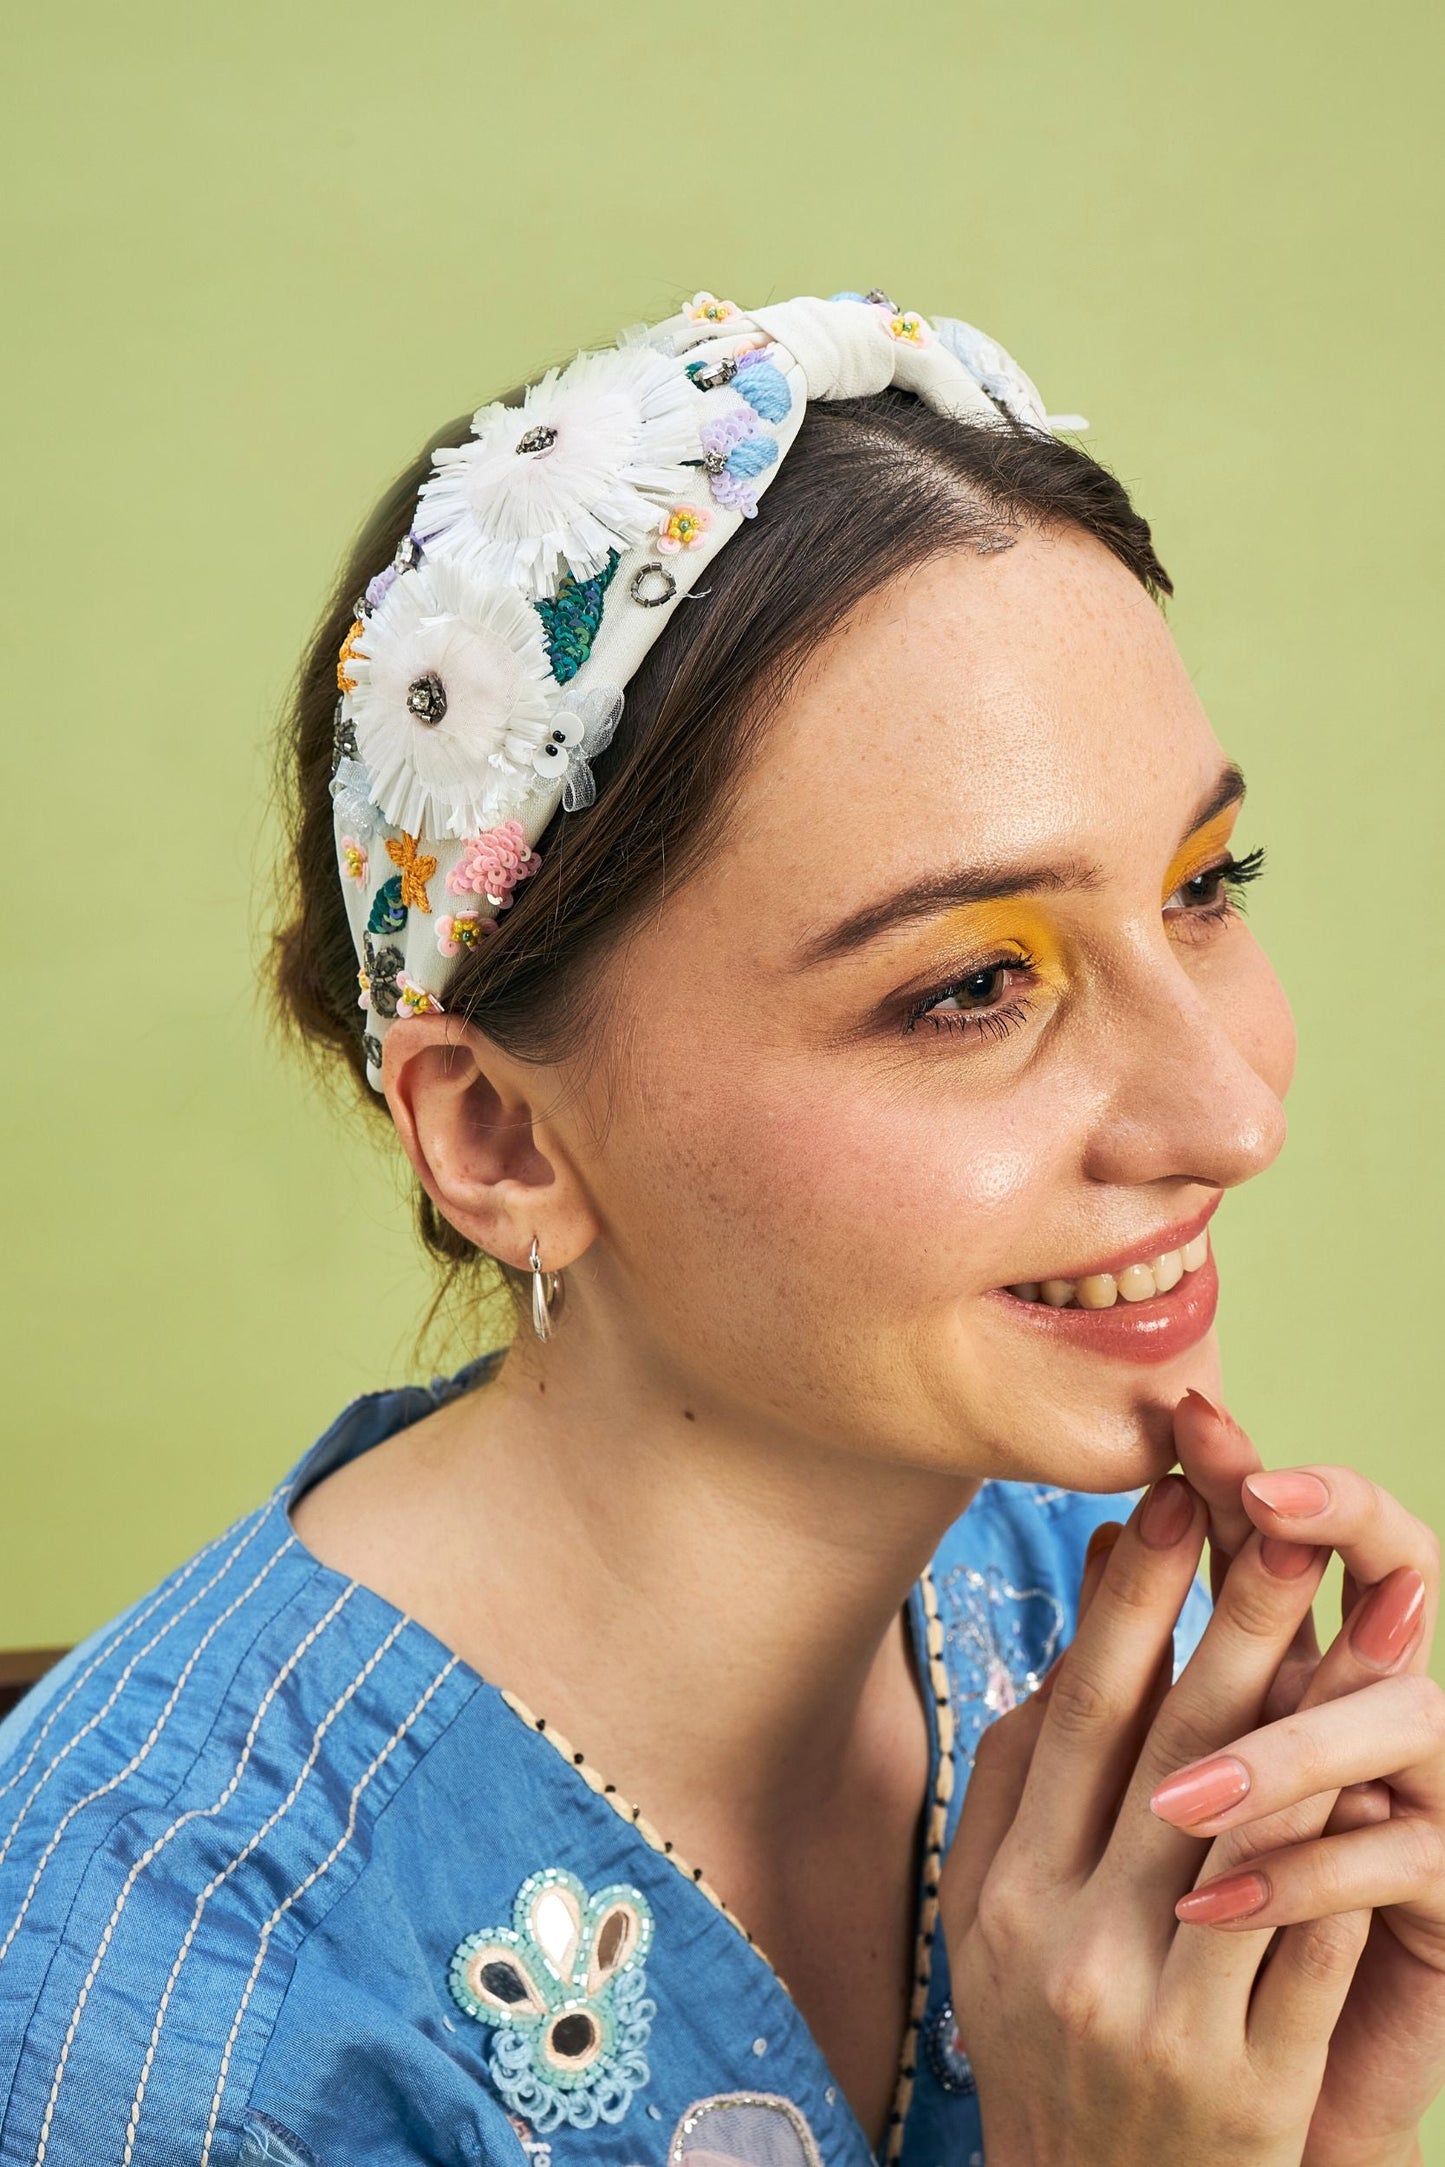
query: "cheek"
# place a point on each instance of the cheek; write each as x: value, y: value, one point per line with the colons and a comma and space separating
x: 869, y: 1196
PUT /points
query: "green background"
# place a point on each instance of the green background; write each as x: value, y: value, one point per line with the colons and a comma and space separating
x: 256, y: 255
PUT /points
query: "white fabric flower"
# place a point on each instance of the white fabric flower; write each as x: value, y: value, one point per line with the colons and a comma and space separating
x: 454, y: 702
x: 582, y: 467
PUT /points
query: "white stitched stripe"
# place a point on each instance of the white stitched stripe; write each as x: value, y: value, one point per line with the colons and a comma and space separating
x: 209, y: 1891
x: 300, y: 1890
x: 143, y: 1751
x: 152, y: 1851
x: 124, y: 1679
x: 171, y: 1587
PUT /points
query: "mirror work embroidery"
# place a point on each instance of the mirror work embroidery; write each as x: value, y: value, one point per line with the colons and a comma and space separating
x: 564, y: 1990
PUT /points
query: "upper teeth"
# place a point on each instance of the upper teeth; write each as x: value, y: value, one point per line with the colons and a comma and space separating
x: 1136, y: 1283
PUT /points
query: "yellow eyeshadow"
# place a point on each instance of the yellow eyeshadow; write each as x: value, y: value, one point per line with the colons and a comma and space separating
x: 1201, y: 851
x: 987, y: 928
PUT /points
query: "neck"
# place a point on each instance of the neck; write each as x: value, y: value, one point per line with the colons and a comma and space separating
x: 691, y: 1595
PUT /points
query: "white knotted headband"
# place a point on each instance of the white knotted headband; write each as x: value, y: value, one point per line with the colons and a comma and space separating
x: 487, y: 663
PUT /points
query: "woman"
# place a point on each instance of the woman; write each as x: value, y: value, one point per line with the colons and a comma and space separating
x: 842, y: 1065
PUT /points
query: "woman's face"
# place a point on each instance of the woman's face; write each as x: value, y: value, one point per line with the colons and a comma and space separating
x: 962, y: 1004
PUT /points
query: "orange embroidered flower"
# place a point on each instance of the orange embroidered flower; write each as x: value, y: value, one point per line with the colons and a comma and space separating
x: 415, y: 871
x: 348, y: 648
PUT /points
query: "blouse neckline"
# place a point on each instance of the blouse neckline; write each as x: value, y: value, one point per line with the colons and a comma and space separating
x: 338, y: 1445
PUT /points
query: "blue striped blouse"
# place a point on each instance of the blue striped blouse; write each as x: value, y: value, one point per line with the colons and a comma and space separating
x: 282, y: 1879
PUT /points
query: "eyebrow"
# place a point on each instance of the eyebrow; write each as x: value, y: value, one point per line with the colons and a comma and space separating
x: 947, y: 890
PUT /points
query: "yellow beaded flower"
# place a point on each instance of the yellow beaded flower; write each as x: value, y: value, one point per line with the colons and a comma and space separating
x: 683, y: 528
x: 911, y: 328
x: 705, y: 308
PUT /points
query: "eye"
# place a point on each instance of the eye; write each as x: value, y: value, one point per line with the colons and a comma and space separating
x: 985, y: 1000
x: 1216, y: 893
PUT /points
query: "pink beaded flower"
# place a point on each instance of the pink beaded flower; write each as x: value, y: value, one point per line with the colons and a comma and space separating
x: 706, y: 308
x: 462, y: 931
x: 908, y: 327
x: 353, y: 858
x: 491, y: 864
x: 414, y: 1000
x: 683, y: 528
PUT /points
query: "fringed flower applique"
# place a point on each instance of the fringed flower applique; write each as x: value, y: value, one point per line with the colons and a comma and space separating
x: 353, y: 859
x: 416, y: 871
x: 577, y: 471
x: 493, y: 863
x: 453, y: 701
x: 563, y: 1990
x: 462, y: 929
x: 734, y: 453
x: 684, y: 527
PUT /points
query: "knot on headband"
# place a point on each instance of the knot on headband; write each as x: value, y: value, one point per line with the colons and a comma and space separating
x: 486, y: 664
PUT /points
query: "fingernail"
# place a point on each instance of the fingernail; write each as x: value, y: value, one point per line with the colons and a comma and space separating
x: 1206, y: 1403
x: 1235, y: 1897
x: 1295, y: 1497
x: 1286, y: 1560
x: 1199, y: 1793
x: 1389, y: 1624
x: 1166, y: 1513
x: 1102, y: 1541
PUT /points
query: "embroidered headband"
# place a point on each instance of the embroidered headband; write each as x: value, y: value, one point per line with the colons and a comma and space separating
x: 486, y: 665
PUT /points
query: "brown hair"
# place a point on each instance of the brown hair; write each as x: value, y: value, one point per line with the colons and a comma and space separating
x: 870, y: 488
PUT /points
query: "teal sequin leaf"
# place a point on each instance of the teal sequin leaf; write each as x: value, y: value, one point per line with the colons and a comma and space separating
x: 388, y: 912
x: 570, y: 619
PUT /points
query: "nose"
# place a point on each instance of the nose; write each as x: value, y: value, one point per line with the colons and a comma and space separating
x: 1197, y: 1093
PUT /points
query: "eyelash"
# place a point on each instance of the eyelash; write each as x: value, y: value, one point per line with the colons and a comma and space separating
x: 1231, y: 877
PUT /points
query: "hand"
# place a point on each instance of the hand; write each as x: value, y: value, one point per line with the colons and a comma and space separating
x: 1099, y: 2028
x: 1387, y: 2057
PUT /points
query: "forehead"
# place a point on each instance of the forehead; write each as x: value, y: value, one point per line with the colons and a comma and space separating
x: 977, y: 709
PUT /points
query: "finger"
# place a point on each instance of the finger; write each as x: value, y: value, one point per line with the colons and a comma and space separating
x: 990, y: 1804
x: 1301, y: 1991
x: 1372, y: 1531
x: 1393, y: 1729
x: 1382, y: 1636
x: 1001, y: 1763
x: 1220, y: 1693
x: 1400, y: 1861
x: 1092, y: 1719
x: 1215, y: 1455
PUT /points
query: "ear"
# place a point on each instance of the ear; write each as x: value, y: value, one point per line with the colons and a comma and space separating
x: 464, y: 1110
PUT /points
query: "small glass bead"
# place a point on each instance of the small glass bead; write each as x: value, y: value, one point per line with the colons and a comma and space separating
x: 540, y: 439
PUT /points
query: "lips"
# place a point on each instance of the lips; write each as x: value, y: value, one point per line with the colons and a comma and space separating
x: 1143, y: 1304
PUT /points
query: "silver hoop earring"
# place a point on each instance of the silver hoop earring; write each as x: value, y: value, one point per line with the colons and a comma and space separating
x: 545, y: 1288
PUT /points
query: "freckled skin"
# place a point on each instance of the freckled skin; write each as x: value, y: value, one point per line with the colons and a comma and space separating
x: 796, y: 1207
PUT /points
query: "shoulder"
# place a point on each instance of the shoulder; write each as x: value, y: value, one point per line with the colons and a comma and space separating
x: 179, y: 1806
x: 1006, y: 1581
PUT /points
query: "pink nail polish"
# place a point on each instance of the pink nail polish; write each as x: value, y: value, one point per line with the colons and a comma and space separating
x: 1390, y: 1621
x: 1285, y: 1560
x: 1166, y: 1513
x: 1235, y: 1897
x: 1294, y: 1496
x: 1199, y: 1793
x: 1206, y: 1403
